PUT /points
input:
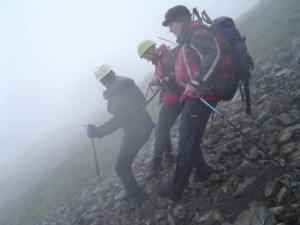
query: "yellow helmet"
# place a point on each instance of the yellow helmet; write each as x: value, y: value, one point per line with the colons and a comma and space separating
x: 144, y: 46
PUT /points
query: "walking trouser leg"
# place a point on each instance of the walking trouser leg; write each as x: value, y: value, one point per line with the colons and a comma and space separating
x: 167, y: 116
x: 131, y: 143
x: 193, y: 122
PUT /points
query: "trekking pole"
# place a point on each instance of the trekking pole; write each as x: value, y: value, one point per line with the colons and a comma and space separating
x: 230, y: 123
x: 167, y: 40
x: 153, y: 96
x: 206, y: 18
x: 100, y: 198
x: 196, y: 13
x: 95, y: 157
x: 247, y: 94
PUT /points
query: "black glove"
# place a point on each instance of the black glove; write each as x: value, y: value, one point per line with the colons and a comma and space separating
x: 91, y: 131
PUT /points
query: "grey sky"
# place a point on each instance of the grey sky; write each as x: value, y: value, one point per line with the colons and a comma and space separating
x: 49, y: 50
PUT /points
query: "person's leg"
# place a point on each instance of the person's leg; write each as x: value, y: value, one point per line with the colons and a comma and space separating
x: 131, y: 144
x: 160, y: 136
x: 167, y: 117
x: 173, y: 111
x: 189, y: 140
x: 184, y: 164
x: 202, y: 169
x: 191, y: 130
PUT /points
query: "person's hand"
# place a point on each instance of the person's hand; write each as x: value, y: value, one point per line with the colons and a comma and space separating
x: 154, y: 81
x: 191, y: 87
x: 164, y: 81
x: 91, y: 130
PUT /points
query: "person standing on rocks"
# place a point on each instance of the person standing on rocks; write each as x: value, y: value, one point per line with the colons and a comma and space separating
x: 125, y: 102
x: 195, y: 65
x: 164, y: 77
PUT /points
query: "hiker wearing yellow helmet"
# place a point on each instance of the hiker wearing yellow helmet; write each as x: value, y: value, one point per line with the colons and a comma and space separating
x: 164, y: 77
x: 144, y: 46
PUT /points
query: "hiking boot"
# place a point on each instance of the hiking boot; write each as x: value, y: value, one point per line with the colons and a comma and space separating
x: 170, y: 158
x: 123, y: 195
x: 153, y: 171
x: 203, y: 175
x: 166, y: 191
x: 138, y: 196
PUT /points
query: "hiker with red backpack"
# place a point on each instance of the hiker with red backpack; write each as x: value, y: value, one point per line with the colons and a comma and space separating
x: 126, y: 103
x: 164, y: 77
x: 199, y: 61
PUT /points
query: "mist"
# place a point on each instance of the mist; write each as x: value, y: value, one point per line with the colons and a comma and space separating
x: 49, y: 50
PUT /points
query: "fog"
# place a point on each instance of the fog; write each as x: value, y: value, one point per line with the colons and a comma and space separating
x: 49, y: 50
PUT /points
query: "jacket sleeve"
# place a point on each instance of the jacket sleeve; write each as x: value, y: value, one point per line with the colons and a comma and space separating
x: 109, y: 127
x: 205, y: 45
x: 167, y: 61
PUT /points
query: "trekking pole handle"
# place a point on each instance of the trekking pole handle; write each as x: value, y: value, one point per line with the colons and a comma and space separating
x: 206, y: 18
x: 195, y: 11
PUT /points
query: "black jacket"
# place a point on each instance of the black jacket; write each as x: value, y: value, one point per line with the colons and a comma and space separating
x: 125, y: 102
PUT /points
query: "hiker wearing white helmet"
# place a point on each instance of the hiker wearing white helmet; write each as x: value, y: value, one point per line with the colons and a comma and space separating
x: 125, y: 102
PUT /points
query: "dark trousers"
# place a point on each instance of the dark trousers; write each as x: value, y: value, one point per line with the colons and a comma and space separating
x: 167, y: 116
x: 134, y: 138
x: 194, y: 118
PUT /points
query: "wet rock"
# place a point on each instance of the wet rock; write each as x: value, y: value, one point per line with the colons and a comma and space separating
x: 295, y: 155
x: 160, y: 214
x: 287, y: 133
x: 90, y: 217
x: 295, y: 114
x: 257, y: 216
x: 278, y: 210
x: 281, y: 195
x: 270, y: 188
x: 297, y: 60
x: 284, y: 57
x: 213, y: 217
x: 288, y: 148
x: 283, y: 72
x: 245, y: 186
x: 285, y: 119
x: 179, y: 211
x: 248, y: 168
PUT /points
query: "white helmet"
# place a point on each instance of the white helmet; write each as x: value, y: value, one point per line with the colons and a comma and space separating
x: 101, y: 71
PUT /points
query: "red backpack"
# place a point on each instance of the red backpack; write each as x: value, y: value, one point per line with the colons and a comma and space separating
x: 224, y: 28
x: 224, y: 80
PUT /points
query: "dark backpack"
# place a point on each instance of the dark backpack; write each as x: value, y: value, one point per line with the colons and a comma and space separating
x: 225, y: 27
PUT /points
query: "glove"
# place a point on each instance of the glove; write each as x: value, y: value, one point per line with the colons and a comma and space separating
x: 163, y: 82
x: 91, y: 131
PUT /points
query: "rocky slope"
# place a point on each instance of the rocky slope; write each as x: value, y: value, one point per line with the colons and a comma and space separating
x: 246, y: 187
